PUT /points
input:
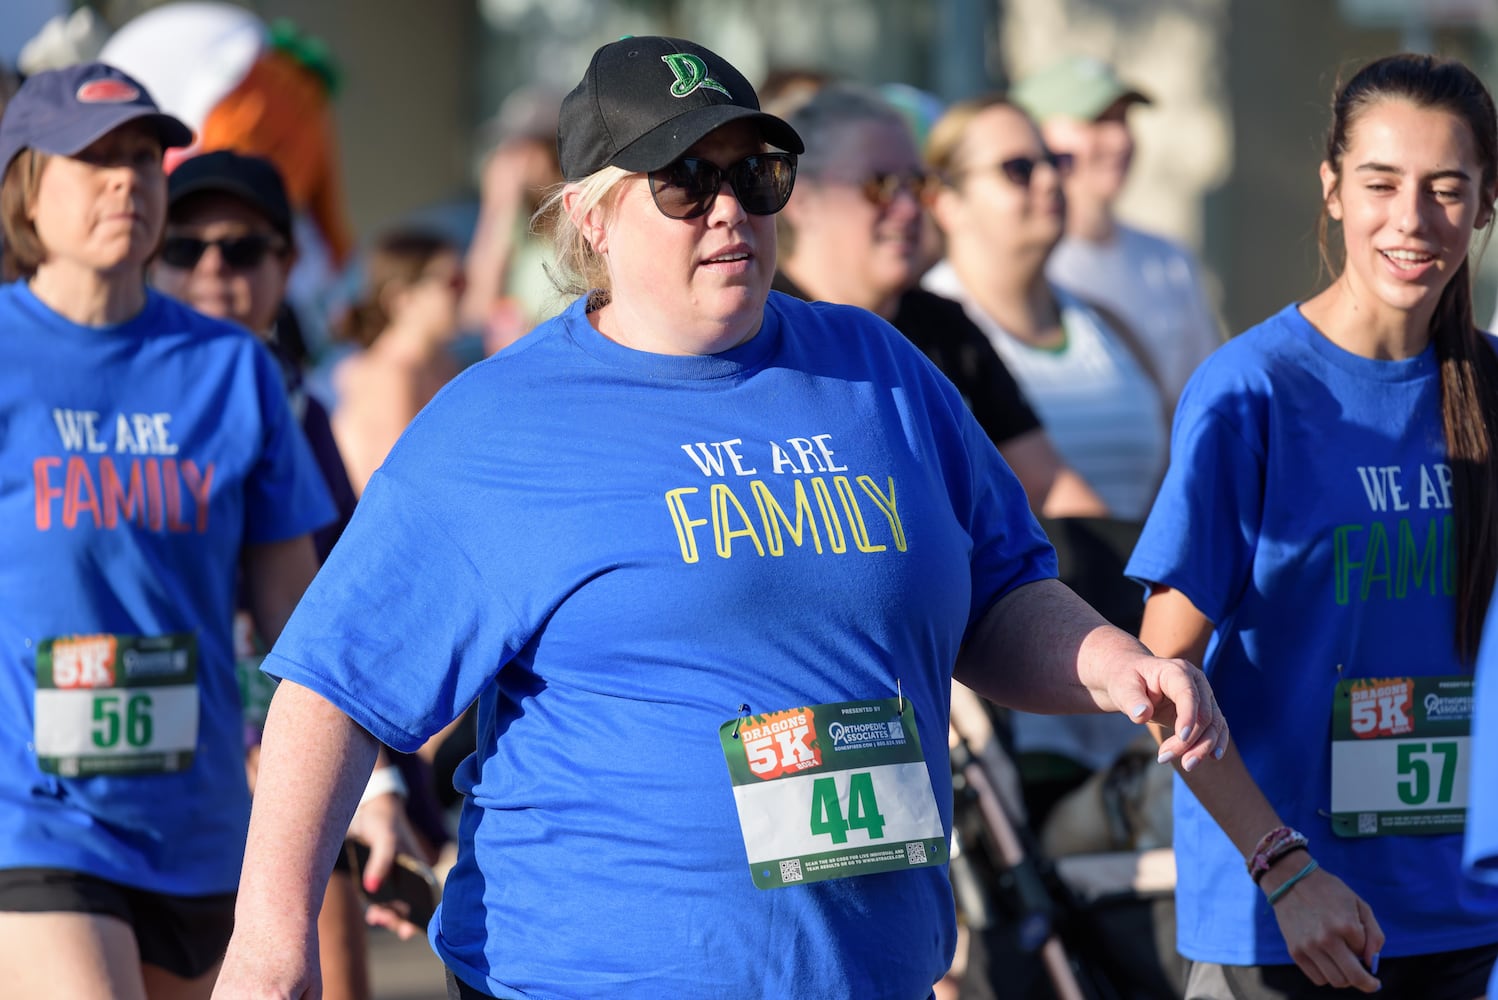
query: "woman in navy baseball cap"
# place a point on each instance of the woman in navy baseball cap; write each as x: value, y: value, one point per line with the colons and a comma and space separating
x: 148, y: 455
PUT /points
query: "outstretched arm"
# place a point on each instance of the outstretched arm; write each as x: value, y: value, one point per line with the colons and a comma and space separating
x: 1330, y: 931
x: 1041, y: 648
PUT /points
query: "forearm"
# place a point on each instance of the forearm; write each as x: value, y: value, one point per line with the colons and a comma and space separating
x: 488, y: 261
x: 1036, y: 648
x: 276, y: 576
x: 314, y: 763
x: 1053, y: 488
x: 1174, y: 626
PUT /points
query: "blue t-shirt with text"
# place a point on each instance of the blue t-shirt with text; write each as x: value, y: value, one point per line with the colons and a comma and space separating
x: 1307, y: 514
x: 613, y: 551
x: 136, y: 463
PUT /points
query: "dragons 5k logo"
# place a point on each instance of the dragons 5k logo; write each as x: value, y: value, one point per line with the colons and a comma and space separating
x: 1383, y: 707
x: 691, y: 75
x: 781, y: 743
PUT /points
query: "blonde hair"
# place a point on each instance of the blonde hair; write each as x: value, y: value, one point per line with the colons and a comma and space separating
x: 578, y: 268
x: 947, y: 134
x: 24, y: 252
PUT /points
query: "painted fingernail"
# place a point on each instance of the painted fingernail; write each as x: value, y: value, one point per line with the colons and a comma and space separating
x: 1166, y: 756
x: 1373, y: 965
x: 1190, y: 763
x: 1186, y: 734
x: 1138, y: 710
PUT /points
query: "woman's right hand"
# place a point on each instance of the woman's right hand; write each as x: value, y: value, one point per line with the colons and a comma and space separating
x: 1331, y: 933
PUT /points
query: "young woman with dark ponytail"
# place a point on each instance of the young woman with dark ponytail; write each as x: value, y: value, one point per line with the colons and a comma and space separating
x: 1324, y: 544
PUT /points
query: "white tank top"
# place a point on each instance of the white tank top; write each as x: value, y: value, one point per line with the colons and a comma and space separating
x: 1099, y: 407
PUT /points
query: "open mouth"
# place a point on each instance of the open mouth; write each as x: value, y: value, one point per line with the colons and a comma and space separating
x: 1406, y: 260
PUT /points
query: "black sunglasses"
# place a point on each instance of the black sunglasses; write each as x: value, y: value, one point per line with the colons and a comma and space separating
x: 1021, y: 168
x: 241, y: 253
x: 881, y: 190
x: 688, y: 187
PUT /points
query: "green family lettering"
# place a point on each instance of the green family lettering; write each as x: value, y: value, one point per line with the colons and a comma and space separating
x: 1395, y: 558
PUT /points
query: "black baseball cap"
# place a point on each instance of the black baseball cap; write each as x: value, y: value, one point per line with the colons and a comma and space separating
x: 64, y: 111
x: 646, y: 100
x: 254, y: 180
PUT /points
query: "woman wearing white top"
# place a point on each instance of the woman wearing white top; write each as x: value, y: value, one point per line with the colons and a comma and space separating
x: 1001, y: 207
x: 1002, y: 210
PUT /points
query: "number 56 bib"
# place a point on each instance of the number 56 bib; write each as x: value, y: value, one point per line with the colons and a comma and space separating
x: 1400, y: 756
x: 832, y: 791
x: 116, y: 704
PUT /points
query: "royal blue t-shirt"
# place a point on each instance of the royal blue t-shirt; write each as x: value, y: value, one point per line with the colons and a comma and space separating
x: 1482, y: 813
x: 613, y: 551
x: 136, y: 463
x: 1307, y: 514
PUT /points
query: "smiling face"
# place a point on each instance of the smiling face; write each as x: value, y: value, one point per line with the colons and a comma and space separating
x: 1408, y: 195
x: 851, y: 229
x: 102, y: 210
x: 685, y: 286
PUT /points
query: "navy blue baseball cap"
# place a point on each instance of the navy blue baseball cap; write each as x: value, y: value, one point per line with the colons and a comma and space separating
x: 63, y: 111
x: 646, y: 100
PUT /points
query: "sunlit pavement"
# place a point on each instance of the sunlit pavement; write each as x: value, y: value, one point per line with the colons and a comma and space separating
x: 404, y: 970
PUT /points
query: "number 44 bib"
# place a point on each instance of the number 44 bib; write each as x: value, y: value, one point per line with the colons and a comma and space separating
x: 1400, y: 749
x: 832, y: 791
x: 116, y: 704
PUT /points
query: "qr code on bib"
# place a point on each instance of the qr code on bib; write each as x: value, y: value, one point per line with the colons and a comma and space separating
x: 915, y: 853
x: 1367, y: 823
x: 790, y: 871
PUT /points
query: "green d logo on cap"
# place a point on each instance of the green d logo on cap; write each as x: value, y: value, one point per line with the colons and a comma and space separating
x: 691, y: 73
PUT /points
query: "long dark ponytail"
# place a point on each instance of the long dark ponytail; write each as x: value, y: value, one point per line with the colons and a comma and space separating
x: 1468, y: 365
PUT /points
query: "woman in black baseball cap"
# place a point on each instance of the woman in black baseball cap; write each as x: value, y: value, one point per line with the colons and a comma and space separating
x: 704, y: 556
x: 148, y: 454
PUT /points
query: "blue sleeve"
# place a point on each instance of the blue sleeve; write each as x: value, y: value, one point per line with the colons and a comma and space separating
x: 285, y: 494
x: 1201, y: 533
x: 400, y: 596
x: 1481, y: 854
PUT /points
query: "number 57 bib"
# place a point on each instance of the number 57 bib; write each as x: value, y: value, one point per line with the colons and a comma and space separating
x: 1400, y: 756
x: 832, y: 791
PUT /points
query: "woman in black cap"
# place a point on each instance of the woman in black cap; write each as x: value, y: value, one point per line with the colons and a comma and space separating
x: 705, y: 557
x: 146, y: 453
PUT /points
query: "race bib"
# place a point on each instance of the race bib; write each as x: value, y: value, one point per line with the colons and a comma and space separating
x: 1400, y: 756
x: 832, y: 791
x: 116, y: 704
x: 255, y: 686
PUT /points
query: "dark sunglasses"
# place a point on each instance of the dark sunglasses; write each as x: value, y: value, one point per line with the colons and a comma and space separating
x: 688, y: 187
x: 1020, y: 169
x: 881, y: 190
x: 241, y: 253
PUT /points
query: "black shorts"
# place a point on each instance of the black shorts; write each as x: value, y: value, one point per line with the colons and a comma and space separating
x: 185, y: 935
x: 1447, y: 975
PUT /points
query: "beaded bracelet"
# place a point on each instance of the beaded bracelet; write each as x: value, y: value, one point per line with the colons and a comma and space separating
x: 1289, y: 883
x: 1271, y: 847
